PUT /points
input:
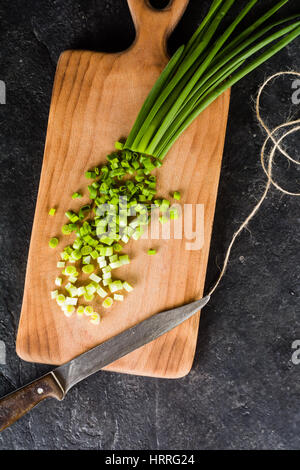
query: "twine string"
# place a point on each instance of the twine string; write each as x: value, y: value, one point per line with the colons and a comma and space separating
x: 267, y: 163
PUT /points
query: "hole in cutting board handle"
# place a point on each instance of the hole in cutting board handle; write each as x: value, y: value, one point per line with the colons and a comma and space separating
x: 159, y: 4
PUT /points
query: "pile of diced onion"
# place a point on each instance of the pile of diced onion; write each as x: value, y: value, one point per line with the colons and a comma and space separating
x: 121, y: 196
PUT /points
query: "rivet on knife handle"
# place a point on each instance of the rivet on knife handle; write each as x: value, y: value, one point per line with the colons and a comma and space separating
x: 16, y: 404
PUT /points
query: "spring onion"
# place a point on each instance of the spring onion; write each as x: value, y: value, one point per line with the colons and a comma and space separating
x: 52, y: 211
x: 60, y: 299
x: 88, y: 297
x: 199, y: 72
x: 71, y: 301
x: 127, y: 286
x: 88, y: 268
x: 115, y: 265
x: 76, y: 195
x: 123, y: 191
x: 80, y: 311
x: 101, y: 292
x: 69, y: 310
x: 107, y: 303
x: 95, y: 278
x: 88, y: 310
x: 106, y: 276
x: 119, y: 297
x: 95, y: 318
x: 81, y: 291
x: 53, y: 242
x: 58, y: 281
x: 70, y: 270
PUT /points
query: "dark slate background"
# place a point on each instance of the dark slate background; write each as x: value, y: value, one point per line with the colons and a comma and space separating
x: 243, y: 390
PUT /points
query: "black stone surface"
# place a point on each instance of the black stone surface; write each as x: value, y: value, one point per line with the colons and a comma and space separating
x: 243, y: 390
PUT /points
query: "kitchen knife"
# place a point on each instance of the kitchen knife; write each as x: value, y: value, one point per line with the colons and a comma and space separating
x: 58, y: 382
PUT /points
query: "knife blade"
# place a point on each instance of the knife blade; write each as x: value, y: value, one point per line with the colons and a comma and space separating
x: 60, y: 380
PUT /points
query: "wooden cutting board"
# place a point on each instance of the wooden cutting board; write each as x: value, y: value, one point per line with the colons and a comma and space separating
x: 96, y: 98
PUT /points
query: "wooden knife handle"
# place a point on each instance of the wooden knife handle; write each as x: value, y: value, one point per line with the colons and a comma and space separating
x: 16, y: 404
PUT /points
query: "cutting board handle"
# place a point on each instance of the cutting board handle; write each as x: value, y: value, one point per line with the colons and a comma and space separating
x: 153, y: 27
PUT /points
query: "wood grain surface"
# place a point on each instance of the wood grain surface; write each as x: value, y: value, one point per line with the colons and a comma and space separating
x: 16, y: 404
x: 96, y: 98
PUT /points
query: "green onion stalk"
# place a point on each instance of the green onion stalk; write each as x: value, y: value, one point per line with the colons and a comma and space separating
x: 203, y: 69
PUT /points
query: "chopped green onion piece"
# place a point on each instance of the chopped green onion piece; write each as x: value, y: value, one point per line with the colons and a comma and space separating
x: 106, y: 269
x: 73, y: 291
x: 86, y: 250
x: 101, y: 292
x: 119, y: 297
x: 115, y: 264
x: 71, y: 301
x: 54, y: 294
x: 69, y: 310
x: 127, y: 286
x: 88, y: 268
x: 125, y: 239
x: 106, y: 276
x: 60, y: 264
x: 90, y: 175
x: 86, y: 260
x: 173, y: 214
x: 117, y: 247
x: 76, y: 255
x: 164, y: 205
x: 163, y: 219
x: 90, y: 289
x: 58, y: 281
x: 77, y: 244
x: 95, y: 318
x: 76, y: 195
x: 115, y: 286
x: 72, y: 216
x: 107, y: 303
x: 53, y: 242
x: 124, y: 259
x: 88, y: 310
x: 80, y: 311
x: 119, y: 145
x: 52, y: 211
x: 106, y: 251
x: 88, y: 297
x: 60, y: 299
x: 94, y: 254
x: 177, y: 195
x: 95, y: 278
x: 70, y: 270
x: 66, y: 229
x: 151, y: 252
x: 81, y: 291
